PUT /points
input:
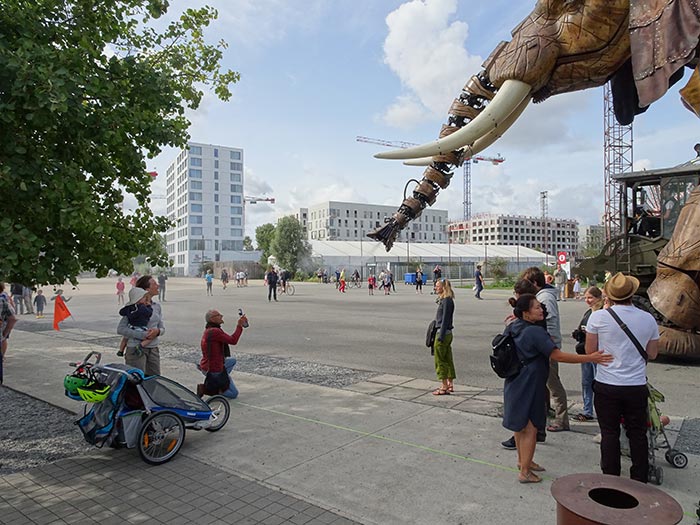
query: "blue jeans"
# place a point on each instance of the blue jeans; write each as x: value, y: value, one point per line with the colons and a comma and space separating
x: 587, y: 376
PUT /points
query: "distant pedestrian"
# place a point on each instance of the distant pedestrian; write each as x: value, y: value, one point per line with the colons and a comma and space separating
x: 393, y: 282
x: 577, y: 287
x: 271, y: 279
x: 337, y: 278
x: 17, y: 290
x: 560, y: 278
x: 162, y: 279
x: 120, y: 291
x: 479, y: 282
x: 437, y: 274
x: 27, y: 293
x: 40, y: 303
x: 387, y: 283
x: 442, y: 348
x: 419, y: 281
x: 341, y: 285
x: 209, y: 277
x: 224, y: 278
x: 371, y: 284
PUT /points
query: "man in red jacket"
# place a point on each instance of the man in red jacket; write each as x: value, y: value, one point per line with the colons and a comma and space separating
x: 216, y: 355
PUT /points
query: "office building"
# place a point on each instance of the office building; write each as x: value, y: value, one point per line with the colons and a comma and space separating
x: 205, y: 201
x: 559, y: 235
x: 351, y: 221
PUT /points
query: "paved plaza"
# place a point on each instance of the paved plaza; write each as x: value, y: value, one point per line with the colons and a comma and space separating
x: 376, y: 448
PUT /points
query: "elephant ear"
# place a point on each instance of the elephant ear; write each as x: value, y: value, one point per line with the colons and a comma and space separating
x: 664, y: 35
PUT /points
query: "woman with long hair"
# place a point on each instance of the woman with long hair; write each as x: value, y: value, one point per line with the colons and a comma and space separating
x: 524, y: 395
x: 442, y: 348
x: 594, y: 299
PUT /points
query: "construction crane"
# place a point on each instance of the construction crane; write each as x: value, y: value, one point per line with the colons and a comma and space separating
x: 467, y: 167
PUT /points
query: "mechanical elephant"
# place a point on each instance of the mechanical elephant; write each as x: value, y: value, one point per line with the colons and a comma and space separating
x: 641, y: 46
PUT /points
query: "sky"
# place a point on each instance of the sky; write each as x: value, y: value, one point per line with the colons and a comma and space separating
x: 315, y: 74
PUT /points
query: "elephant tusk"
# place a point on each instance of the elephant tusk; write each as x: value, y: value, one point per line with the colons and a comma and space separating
x: 507, y: 99
x: 484, y: 142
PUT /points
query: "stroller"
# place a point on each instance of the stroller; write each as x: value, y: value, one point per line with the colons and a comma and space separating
x: 131, y: 410
x: 657, y: 439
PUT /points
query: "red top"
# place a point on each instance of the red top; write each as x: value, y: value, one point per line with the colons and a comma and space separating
x: 217, y: 340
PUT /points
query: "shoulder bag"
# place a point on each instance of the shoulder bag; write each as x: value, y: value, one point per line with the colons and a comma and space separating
x: 629, y: 333
x: 430, y: 335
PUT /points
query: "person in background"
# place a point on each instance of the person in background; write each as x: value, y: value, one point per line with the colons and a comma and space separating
x: 577, y: 287
x: 560, y: 279
x: 341, y: 286
x: 524, y: 394
x: 216, y: 355
x: 442, y: 348
x: 162, y: 279
x: 209, y: 277
x: 138, y: 311
x: 27, y: 293
x: 224, y: 278
x: 120, y: 290
x: 419, y: 281
x: 371, y: 284
x: 387, y: 283
x: 271, y: 280
x: 40, y: 303
x: 621, y: 391
x: 17, y: 290
x: 594, y: 299
x: 479, y: 282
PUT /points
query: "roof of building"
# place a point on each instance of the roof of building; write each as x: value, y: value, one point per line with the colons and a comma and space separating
x: 371, y: 248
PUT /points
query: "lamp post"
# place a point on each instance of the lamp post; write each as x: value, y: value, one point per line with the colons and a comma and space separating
x: 362, y: 264
x: 202, y: 251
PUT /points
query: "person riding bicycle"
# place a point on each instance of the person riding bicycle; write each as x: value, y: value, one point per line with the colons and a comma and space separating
x: 355, y: 277
x: 285, y: 275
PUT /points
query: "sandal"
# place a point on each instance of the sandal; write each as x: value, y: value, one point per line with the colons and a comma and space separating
x: 534, y: 467
x: 530, y: 478
x: 556, y: 428
x: 451, y: 388
x: 583, y: 417
x: 441, y: 392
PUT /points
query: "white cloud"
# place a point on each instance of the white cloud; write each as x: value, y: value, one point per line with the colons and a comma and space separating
x: 405, y: 113
x: 427, y: 53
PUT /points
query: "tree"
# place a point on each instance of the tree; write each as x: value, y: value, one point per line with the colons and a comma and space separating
x: 247, y: 244
x: 497, y: 267
x: 289, y: 244
x: 263, y: 238
x: 88, y: 91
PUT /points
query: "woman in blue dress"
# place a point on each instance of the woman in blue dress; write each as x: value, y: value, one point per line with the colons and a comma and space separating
x: 524, y: 395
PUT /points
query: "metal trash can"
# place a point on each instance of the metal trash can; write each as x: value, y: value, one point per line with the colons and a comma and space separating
x: 587, y: 499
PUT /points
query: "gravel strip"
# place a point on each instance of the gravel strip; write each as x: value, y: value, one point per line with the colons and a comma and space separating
x: 279, y: 367
x: 39, y: 433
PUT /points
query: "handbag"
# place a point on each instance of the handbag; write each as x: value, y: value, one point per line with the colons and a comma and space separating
x: 629, y: 333
x: 430, y: 334
x: 214, y: 382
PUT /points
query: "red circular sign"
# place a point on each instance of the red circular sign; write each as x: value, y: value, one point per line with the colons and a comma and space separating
x: 562, y: 257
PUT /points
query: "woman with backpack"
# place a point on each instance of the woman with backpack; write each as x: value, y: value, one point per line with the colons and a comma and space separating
x: 442, y: 348
x: 524, y: 394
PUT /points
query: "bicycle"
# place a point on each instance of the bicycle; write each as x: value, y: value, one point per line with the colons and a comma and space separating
x: 354, y: 283
x: 290, y: 289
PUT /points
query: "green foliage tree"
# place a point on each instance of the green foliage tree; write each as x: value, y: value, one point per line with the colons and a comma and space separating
x: 263, y: 238
x: 88, y: 91
x: 289, y: 244
x: 496, y: 267
x: 247, y: 244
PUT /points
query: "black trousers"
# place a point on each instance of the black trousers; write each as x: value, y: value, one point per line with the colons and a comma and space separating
x: 271, y: 290
x: 628, y: 403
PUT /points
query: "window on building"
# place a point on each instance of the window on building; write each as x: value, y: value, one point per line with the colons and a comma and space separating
x: 196, y: 185
x: 236, y: 232
x: 216, y: 164
x: 195, y: 219
x: 236, y: 188
x: 216, y: 175
x: 195, y: 161
x: 235, y: 177
x: 236, y: 199
x: 216, y: 186
x: 196, y: 208
x: 216, y: 152
x: 236, y: 210
x: 195, y: 150
x: 196, y: 230
x: 236, y: 221
x: 195, y: 174
x: 216, y: 209
x: 235, y: 155
x: 195, y: 196
x: 236, y: 166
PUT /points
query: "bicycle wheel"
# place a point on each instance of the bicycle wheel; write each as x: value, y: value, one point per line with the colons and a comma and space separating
x: 161, y: 437
x: 220, y: 410
x: 290, y: 289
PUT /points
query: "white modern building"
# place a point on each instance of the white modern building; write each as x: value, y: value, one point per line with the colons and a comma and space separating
x: 205, y: 200
x: 352, y: 221
x: 550, y: 236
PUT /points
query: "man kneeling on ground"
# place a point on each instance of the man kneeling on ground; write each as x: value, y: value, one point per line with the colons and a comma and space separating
x: 216, y: 355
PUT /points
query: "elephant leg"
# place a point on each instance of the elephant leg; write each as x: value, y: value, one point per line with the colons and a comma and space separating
x: 690, y: 94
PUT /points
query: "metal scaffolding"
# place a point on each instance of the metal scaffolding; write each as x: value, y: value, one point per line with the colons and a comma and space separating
x: 617, y: 150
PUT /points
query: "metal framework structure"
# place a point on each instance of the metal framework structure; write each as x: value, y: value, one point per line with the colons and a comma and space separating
x: 544, y: 209
x: 617, y: 150
x: 467, y: 167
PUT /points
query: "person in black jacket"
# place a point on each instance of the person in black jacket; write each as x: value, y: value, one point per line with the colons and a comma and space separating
x: 271, y: 278
x: 442, y: 348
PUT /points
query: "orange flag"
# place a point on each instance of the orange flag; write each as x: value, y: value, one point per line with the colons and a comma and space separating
x: 60, y: 312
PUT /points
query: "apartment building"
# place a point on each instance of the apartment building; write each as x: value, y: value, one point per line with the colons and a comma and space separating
x: 550, y: 236
x: 351, y: 221
x: 205, y: 200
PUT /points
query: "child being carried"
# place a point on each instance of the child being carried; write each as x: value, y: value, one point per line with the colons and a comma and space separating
x: 138, y: 312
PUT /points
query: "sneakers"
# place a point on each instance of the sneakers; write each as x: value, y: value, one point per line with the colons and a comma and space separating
x: 509, y: 444
x: 120, y: 353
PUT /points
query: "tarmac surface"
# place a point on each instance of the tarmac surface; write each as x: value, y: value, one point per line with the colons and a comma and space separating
x: 377, y: 449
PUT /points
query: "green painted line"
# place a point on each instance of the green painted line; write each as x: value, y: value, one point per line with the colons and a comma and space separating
x: 398, y: 441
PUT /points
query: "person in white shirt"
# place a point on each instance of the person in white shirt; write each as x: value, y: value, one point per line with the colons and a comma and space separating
x: 621, y: 387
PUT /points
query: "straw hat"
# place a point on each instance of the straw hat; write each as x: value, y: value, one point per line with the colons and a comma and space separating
x: 621, y: 287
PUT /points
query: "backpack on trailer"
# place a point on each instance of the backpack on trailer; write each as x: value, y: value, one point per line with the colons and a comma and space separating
x: 504, y: 357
